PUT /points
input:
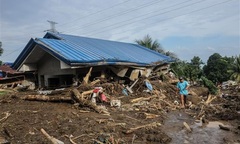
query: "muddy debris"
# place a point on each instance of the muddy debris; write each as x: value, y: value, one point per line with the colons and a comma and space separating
x: 83, y: 114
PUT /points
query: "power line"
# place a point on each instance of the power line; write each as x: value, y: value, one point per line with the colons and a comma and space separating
x: 151, y: 15
x: 3, y: 56
x: 26, y: 34
x: 143, y: 15
x: 97, y: 12
x: 177, y: 16
x: 115, y: 15
x: 160, y: 20
x: 150, y: 23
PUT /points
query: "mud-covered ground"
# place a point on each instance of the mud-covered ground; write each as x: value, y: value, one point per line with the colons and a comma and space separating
x: 71, y: 123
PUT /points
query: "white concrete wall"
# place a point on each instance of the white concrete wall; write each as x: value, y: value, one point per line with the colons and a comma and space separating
x: 50, y: 67
x: 28, y: 67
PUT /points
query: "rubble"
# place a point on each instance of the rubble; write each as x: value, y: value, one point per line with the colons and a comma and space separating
x: 132, y: 116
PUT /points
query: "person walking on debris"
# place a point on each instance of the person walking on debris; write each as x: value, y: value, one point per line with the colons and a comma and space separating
x: 182, y: 87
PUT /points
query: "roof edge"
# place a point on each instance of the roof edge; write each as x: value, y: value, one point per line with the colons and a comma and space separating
x: 50, y: 35
x: 22, y: 56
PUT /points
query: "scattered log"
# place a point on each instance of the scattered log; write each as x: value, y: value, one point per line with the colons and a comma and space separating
x: 154, y: 124
x: 142, y: 99
x: 83, y: 135
x: 86, y: 93
x: 201, y: 113
x: 187, y: 126
x: 52, y: 139
x: 131, y: 118
x: 46, y: 98
x: 84, y: 102
x: 94, y: 82
x: 70, y: 139
x: 150, y: 116
x: 117, y: 124
x: 76, y: 95
x: 86, y: 78
x: 7, y: 114
x: 210, y: 99
x: 171, y: 105
x: 224, y: 128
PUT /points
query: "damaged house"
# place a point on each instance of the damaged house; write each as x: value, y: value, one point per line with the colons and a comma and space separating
x: 58, y: 60
x: 9, y: 75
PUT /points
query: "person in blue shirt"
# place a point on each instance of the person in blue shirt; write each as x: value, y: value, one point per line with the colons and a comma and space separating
x: 182, y: 87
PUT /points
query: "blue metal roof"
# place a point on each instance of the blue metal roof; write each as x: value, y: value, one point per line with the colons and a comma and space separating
x: 76, y: 50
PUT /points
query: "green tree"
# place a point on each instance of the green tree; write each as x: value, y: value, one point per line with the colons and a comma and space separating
x: 1, y: 51
x: 172, y: 55
x: 190, y: 70
x: 235, y: 69
x: 196, y: 62
x: 217, y: 67
x: 149, y: 43
x: 180, y: 68
x: 195, y: 68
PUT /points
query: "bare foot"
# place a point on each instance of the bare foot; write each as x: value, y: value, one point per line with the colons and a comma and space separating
x: 182, y: 107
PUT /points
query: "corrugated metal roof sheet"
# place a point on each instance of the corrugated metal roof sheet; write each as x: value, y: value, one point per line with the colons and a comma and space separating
x: 78, y: 49
x: 8, y: 69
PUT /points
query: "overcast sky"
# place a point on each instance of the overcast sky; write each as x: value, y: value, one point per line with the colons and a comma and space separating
x: 186, y: 27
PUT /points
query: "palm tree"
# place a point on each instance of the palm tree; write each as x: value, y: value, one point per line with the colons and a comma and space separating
x: 172, y: 55
x: 149, y: 43
x: 235, y: 71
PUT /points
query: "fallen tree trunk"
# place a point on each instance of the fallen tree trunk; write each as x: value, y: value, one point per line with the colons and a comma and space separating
x: 46, y: 98
x: 84, y: 102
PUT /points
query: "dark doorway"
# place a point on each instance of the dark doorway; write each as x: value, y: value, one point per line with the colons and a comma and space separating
x: 53, y: 82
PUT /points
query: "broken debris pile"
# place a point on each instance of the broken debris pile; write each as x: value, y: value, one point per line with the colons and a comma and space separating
x: 144, y: 104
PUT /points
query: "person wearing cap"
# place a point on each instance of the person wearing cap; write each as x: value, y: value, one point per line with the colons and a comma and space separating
x: 182, y: 87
